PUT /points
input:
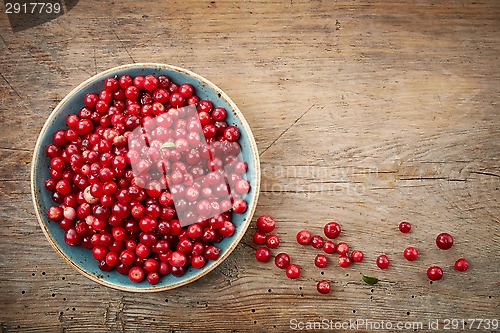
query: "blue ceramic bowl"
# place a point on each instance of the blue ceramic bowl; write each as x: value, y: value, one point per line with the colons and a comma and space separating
x: 81, y: 259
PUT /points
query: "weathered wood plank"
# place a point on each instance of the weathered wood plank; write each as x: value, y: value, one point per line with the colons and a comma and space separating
x: 364, y: 112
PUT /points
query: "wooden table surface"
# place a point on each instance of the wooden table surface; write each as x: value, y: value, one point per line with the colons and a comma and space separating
x: 367, y: 113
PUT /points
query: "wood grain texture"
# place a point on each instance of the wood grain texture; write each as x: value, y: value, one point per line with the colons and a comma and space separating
x: 364, y: 112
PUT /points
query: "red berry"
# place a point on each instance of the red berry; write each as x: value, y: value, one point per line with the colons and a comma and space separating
x: 323, y: 287
x: 332, y: 230
x: 142, y: 250
x: 125, y: 81
x: 127, y: 257
x: 112, y: 259
x: 219, y: 114
x: 444, y: 241
x: 205, y: 105
x: 239, y: 206
x: 186, y: 90
x: 198, y: 261
x: 177, y: 100
x: 150, y: 82
x: 232, y: 133
x: 148, y: 224
x: 405, y: 227
x: 304, y: 237
x: 132, y: 92
x: 259, y: 238
x: 163, y: 81
x: 178, y: 259
x: 263, y: 254
x: 209, y: 131
x: 242, y: 186
x: 329, y: 247
x: 293, y: 271
x: 344, y: 261
x: 357, y: 256
x: 55, y: 213
x: 461, y: 265
x: 212, y: 252
x: 272, y: 241
x: 266, y: 223
x: 71, y: 237
x: 434, y: 273
x: 139, y: 82
x: 136, y: 274
x: 240, y: 167
x: 321, y: 261
x: 99, y: 252
x: 410, y: 253
x: 178, y: 271
x: 91, y: 100
x: 282, y: 260
x: 383, y: 261
x: 153, y: 278
x: 342, y: 248
x: 63, y: 186
x: 111, y: 84
x: 317, y: 242
x: 228, y: 229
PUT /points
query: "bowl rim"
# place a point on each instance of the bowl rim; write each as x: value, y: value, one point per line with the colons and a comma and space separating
x: 250, y: 210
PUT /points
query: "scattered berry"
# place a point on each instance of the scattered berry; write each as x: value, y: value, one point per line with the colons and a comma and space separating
x: 405, y: 227
x: 266, y: 224
x: 293, y: 271
x: 272, y: 241
x: 304, y: 237
x: 357, y: 256
x: 435, y: 273
x: 329, y: 247
x: 321, y: 261
x: 323, y: 287
x: 263, y: 254
x: 317, y: 242
x: 259, y: 238
x: 282, y: 260
x: 344, y: 261
x: 410, y: 253
x: 461, y: 265
x: 342, y: 248
x: 444, y: 241
x: 332, y: 230
x: 383, y: 261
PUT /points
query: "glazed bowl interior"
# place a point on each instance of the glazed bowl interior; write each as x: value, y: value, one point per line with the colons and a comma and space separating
x: 81, y: 259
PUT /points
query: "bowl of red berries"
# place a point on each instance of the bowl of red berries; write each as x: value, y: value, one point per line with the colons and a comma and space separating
x: 145, y: 177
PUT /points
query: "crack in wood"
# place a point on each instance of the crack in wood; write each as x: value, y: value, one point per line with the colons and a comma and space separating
x: 296, y: 191
x: 312, y: 181
x: 286, y: 130
x: 4, y: 42
x: 433, y: 178
x: 123, y: 44
x: 95, y: 60
x: 16, y: 149
x: 11, y: 87
x: 485, y: 173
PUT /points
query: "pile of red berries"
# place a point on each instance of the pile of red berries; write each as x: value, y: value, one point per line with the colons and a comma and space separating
x: 129, y: 217
x: 332, y: 230
x: 265, y: 225
x: 444, y: 241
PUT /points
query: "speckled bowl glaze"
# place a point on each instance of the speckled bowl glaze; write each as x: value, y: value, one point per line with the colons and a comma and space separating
x: 80, y: 258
